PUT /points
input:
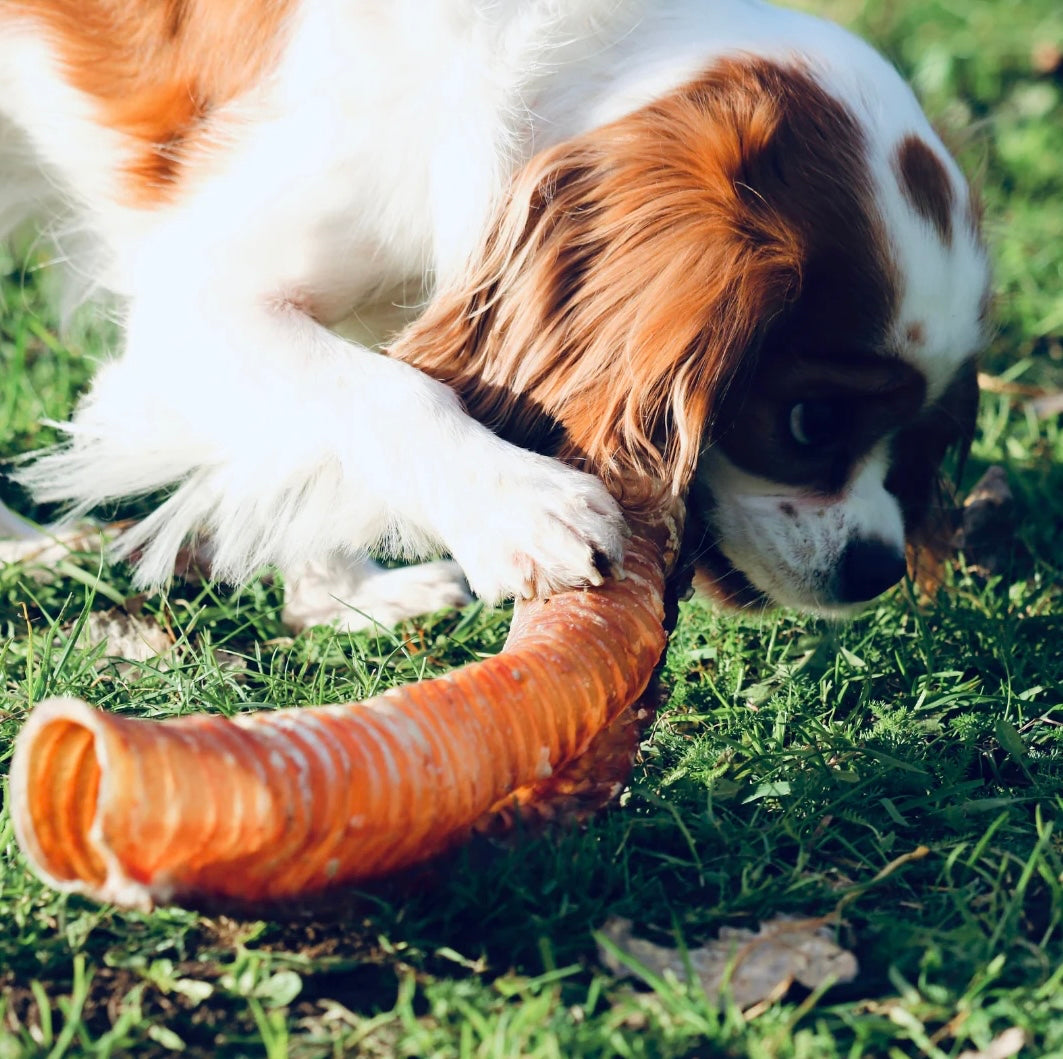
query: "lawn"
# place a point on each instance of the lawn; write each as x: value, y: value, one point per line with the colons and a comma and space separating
x: 899, y: 779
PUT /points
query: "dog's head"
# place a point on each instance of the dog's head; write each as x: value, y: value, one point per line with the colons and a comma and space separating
x: 760, y: 292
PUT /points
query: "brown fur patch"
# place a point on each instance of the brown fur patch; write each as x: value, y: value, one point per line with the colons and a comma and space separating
x: 635, y: 274
x: 873, y: 396
x: 915, y: 476
x: 925, y: 184
x: 159, y: 71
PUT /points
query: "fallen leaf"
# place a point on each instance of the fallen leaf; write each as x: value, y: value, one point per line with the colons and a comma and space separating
x: 1009, y: 1043
x: 1046, y: 57
x: 987, y: 530
x: 750, y: 966
x: 1047, y: 405
x: 124, y: 637
x: 995, y: 384
x: 44, y: 548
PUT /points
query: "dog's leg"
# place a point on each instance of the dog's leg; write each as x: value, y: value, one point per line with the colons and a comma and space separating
x: 356, y: 594
x: 284, y: 444
x: 348, y: 592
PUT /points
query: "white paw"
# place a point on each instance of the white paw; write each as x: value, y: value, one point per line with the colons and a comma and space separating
x: 357, y: 594
x: 538, y: 531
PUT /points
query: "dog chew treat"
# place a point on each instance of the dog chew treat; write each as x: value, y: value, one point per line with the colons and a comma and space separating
x: 291, y: 803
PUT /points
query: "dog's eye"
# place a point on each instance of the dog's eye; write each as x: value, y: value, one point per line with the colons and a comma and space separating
x: 816, y: 424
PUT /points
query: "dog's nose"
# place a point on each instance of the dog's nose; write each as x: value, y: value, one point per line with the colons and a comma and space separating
x: 867, y: 569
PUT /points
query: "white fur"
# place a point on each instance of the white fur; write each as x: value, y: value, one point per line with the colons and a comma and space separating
x: 349, y: 182
x: 357, y: 594
x: 788, y: 542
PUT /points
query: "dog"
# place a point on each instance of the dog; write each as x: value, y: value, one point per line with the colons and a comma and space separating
x: 479, y: 276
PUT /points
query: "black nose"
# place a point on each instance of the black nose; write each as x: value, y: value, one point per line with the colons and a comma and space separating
x: 867, y: 569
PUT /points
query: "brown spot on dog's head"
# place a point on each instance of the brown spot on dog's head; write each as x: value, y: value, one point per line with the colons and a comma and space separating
x: 925, y: 183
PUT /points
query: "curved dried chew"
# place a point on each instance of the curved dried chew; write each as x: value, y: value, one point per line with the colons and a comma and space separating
x: 293, y: 802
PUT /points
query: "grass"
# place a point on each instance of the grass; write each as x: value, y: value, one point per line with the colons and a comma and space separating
x: 905, y: 771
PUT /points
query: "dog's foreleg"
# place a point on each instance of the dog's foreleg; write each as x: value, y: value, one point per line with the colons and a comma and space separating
x: 285, y: 444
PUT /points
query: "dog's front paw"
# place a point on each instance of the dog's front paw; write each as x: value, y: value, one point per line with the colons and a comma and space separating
x: 542, y: 530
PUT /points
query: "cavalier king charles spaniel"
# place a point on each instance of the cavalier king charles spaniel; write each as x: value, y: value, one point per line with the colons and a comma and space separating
x: 475, y: 276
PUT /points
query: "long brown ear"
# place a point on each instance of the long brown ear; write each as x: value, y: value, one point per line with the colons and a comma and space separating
x: 926, y: 495
x: 623, y: 285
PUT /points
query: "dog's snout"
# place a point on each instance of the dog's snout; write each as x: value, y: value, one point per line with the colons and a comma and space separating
x: 868, y: 567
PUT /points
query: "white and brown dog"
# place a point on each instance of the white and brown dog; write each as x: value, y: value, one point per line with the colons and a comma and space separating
x: 708, y: 247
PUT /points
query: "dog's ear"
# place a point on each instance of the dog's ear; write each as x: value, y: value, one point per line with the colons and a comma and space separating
x: 919, y: 478
x: 621, y: 289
